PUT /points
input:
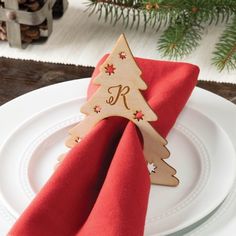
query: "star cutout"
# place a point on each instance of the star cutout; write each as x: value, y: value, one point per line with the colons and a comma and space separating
x: 122, y: 55
x: 110, y: 69
x: 151, y: 168
x: 138, y: 115
x: 77, y: 139
x: 97, y: 109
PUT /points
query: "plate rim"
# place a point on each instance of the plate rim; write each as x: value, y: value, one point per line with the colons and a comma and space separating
x: 60, y: 84
x: 52, y: 108
x: 36, y: 116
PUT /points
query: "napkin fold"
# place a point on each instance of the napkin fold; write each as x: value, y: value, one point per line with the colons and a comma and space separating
x: 102, y: 186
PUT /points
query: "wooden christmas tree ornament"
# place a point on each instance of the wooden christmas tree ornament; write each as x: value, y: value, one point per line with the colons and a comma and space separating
x: 119, y: 95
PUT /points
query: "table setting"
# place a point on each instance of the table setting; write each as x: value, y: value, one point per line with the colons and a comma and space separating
x: 113, y: 140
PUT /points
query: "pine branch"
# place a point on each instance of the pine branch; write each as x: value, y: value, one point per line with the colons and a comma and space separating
x: 179, y: 40
x: 184, y: 19
x: 158, y: 12
x: 225, y: 54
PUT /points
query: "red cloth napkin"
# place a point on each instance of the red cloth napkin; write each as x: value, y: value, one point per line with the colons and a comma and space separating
x: 102, y: 187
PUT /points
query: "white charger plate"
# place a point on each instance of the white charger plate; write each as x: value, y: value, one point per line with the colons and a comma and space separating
x: 39, y: 141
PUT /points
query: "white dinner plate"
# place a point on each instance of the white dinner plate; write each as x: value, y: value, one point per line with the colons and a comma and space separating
x: 197, y: 143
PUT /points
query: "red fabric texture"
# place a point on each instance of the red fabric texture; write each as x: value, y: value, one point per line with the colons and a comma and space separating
x: 102, y: 187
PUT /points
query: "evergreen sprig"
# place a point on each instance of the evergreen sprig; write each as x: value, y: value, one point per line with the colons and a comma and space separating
x: 179, y: 39
x: 184, y: 19
x: 225, y: 53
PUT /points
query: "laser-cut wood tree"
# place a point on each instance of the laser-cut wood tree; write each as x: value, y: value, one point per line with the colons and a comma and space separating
x: 119, y: 95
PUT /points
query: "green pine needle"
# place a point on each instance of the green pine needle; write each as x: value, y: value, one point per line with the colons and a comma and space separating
x: 179, y: 40
x: 159, y: 12
x: 225, y: 53
x: 184, y: 20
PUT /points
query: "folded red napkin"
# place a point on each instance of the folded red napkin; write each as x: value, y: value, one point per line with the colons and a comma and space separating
x: 102, y: 187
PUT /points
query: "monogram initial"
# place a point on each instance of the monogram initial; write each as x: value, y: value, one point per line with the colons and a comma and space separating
x: 120, y: 92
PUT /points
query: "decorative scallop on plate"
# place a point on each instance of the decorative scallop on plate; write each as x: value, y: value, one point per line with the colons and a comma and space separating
x: 197, y: 143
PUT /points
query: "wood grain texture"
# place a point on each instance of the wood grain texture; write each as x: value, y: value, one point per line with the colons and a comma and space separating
x: 225, y: 90
x: 120, y: 95
x: 20, y: 76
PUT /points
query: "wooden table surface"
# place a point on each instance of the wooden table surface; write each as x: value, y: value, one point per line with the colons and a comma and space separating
x: 18, y: 77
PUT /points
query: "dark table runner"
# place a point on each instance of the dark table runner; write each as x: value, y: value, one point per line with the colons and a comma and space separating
x: 18, y: 77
